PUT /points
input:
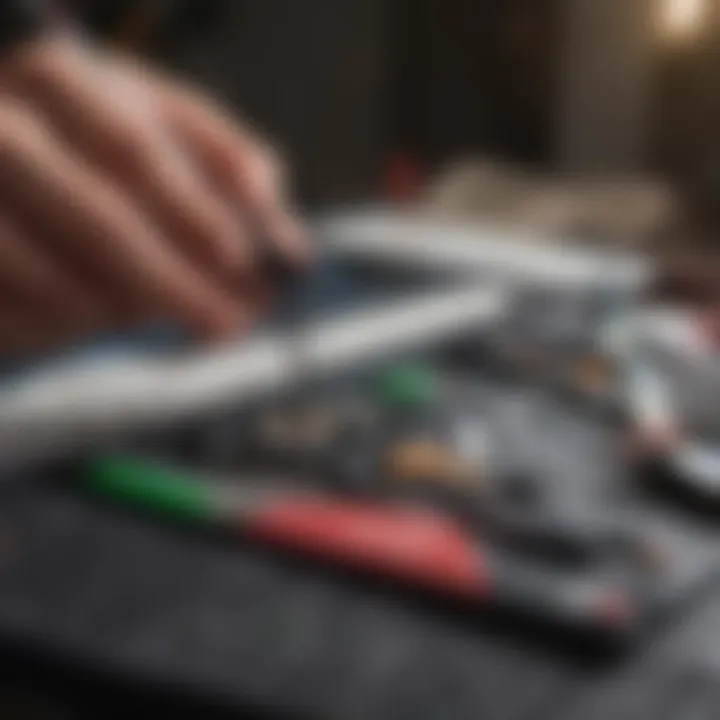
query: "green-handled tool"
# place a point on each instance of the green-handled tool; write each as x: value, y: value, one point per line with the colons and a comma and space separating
x: 415, y: 546
x: 407, y: 544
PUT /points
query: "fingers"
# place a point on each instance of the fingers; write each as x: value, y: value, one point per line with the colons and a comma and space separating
x: 98, y: 223
x: 242, y: 168
x: 186, y: 210
x: 109, y: 117
x: 117, y: 175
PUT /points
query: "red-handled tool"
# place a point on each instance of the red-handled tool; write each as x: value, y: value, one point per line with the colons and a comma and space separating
x: 412, y: 545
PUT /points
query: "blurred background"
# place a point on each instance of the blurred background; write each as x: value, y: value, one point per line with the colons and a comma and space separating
x: 566, y: 122
x: 591, y: 118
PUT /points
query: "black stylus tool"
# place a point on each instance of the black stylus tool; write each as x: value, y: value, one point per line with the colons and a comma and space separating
x: 294, y: 284
x: 275, y: 266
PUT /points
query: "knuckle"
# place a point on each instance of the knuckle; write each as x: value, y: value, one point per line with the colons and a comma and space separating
x: 36, y: 62
x: 268, y: 168
x: 259, y: 177
x: 47, y: 64
x: 44, y: 66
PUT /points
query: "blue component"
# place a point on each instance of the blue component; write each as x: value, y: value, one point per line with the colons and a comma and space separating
x: 334, y: 286
x: 325, y: 289
x: 149, y: 340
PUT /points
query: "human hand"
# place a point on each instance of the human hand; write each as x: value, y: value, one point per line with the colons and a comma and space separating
x: 125, y: 197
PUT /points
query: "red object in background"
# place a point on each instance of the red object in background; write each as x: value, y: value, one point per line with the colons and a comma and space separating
x: 404, y: 179
x: 406, y: 545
